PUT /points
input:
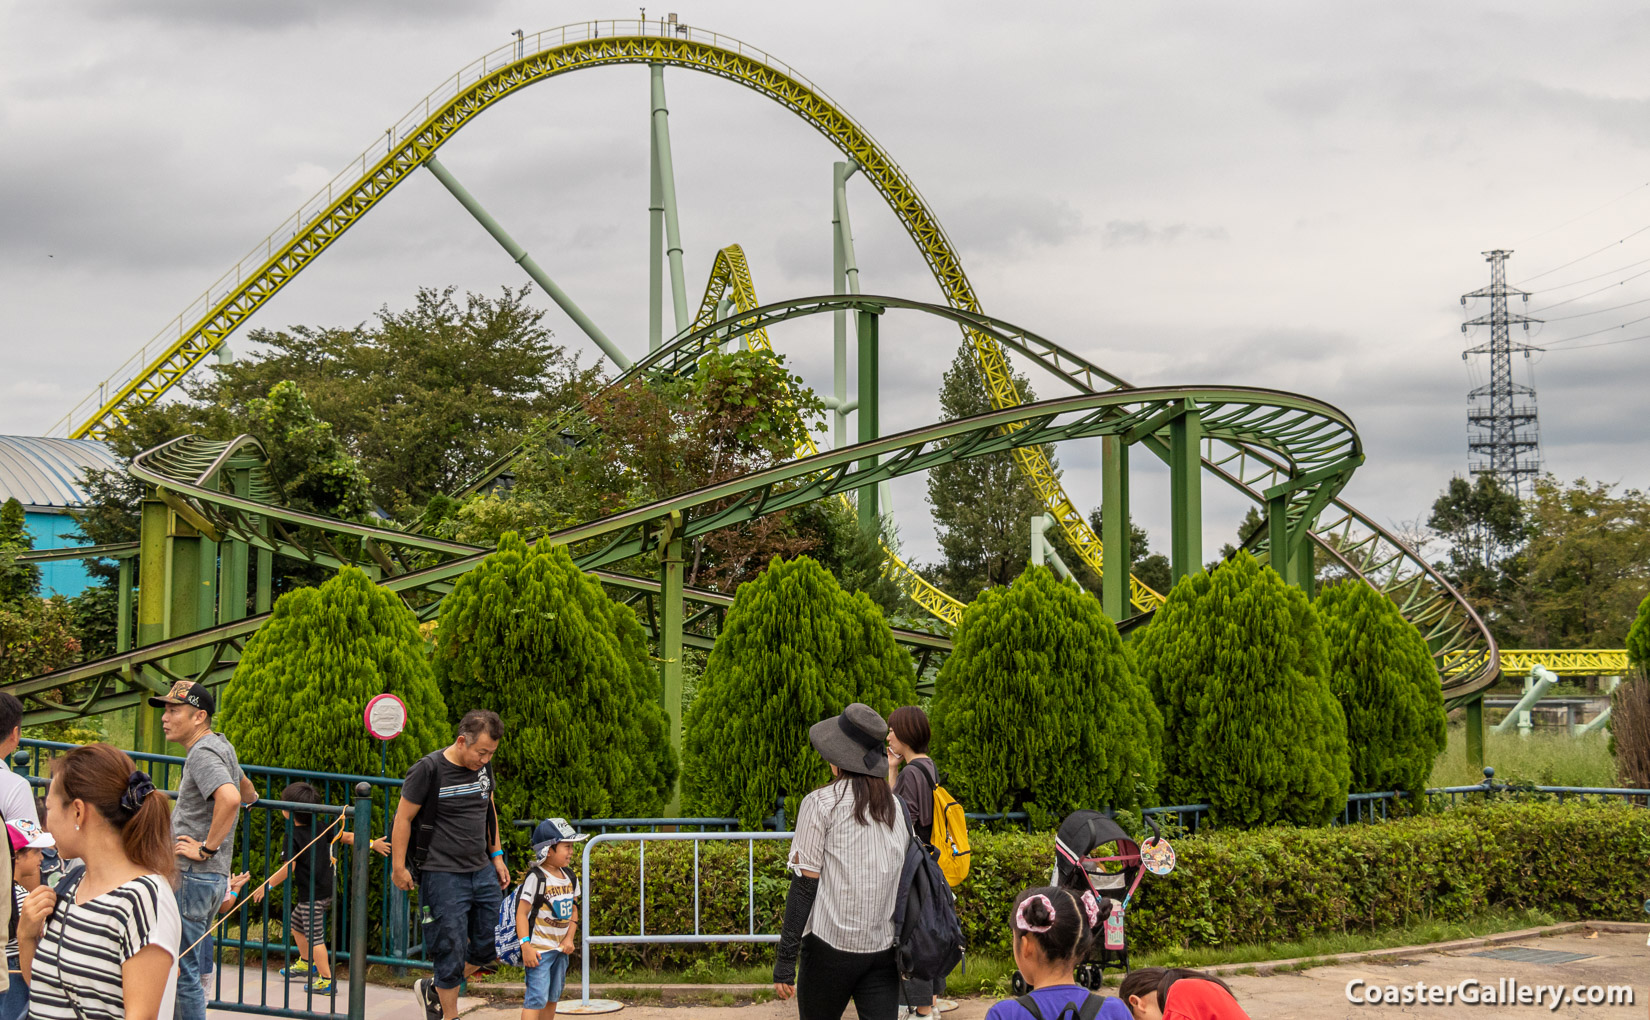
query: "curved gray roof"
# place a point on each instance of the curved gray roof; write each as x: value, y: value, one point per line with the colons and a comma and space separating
x: 43, y: 472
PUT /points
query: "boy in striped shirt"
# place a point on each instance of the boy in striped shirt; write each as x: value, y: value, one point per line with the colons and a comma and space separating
x: 547, y: 917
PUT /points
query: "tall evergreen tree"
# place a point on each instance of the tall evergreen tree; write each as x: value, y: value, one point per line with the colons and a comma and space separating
x: 1387, y: 684
x: 1038, y: 704
x: 795, y: 649
x: 18, y: 581
x: 530, y: 636
x: 982, y: 506
x: 1237, y: 664
x: 307, y: 674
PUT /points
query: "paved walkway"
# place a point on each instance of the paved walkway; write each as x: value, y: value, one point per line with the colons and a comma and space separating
x: 1620, y: 959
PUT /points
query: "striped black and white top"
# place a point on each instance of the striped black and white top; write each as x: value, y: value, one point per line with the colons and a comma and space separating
x: 858, y: 865
x: 78, y: 962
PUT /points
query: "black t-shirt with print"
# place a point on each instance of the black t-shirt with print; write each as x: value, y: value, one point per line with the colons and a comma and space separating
x: 463, y: 818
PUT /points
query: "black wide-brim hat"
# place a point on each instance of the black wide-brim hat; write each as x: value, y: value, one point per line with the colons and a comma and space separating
x: 853, y: 741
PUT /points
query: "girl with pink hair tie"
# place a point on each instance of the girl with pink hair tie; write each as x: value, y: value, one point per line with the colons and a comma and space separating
x: 1053, y: 932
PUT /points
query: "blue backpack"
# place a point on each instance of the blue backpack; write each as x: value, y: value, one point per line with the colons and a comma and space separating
x: 505, y: 939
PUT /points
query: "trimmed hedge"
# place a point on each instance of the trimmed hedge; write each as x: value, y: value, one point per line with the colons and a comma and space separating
x: 1229, y: 888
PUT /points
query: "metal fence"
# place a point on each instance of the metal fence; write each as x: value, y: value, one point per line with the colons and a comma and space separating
x: 642, y: 839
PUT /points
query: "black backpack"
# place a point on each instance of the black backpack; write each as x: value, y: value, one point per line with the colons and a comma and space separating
x: 928, y: 940
x: 1087, y: 1011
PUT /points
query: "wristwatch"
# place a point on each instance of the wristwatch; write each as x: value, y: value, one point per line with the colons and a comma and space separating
x: 208, y: 851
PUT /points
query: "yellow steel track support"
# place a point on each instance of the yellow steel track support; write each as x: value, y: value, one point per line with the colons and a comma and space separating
x: 354, y: 193
x: 1563, y: 661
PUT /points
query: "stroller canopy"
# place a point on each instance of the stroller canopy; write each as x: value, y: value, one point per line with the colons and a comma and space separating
x: 1079, y: 835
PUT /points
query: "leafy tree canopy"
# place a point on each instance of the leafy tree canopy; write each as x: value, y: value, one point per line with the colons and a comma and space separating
x: 530, y: 636
x: 1039, y: 707
x: 1388, y: 688
x: 794, y: 649
x: 1237, y: 665
x: 308, y: 673
x: 18, y: 581
x: 1585, y: 568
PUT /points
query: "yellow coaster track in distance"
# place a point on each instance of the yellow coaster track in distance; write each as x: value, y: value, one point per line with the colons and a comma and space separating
x: 730, y: 277
x: 279, y: 258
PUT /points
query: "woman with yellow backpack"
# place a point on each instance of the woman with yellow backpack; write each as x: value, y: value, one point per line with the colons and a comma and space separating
x: 937, y: 817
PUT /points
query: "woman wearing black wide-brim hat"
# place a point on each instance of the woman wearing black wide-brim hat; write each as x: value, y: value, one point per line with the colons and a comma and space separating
x: 845, y: 861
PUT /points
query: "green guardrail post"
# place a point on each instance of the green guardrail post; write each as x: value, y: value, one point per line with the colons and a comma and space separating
x: 362, y: 850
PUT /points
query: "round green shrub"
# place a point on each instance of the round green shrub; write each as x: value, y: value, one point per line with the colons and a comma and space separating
x: 1237, y: 664
x: 1638, y: 639
x: 307, y: 674
x: 530, y: 636
x: 795, y: 649
x: 1038, y: 707
x: 1387, y: 684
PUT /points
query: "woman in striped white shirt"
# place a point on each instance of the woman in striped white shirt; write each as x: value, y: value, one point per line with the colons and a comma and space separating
x: 846, y: 857
x: 104, y: 944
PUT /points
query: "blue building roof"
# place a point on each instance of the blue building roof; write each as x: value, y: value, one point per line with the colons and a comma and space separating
x: 45, y: 474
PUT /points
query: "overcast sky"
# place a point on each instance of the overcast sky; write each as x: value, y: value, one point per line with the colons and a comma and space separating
x: 1275, y: 194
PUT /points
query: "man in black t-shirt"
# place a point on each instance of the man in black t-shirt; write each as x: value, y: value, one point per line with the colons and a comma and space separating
x: 461, y: 874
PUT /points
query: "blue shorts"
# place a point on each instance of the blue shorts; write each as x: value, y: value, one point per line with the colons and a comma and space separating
x: 463, y: 913
x: 544, y: 982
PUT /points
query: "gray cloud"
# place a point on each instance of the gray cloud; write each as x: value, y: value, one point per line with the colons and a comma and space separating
x: 1126, y: 233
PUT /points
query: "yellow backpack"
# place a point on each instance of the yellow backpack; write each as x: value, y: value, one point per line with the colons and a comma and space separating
x: 950, y: 836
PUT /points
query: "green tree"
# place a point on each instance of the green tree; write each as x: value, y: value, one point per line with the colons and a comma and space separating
x: 794, y: 649
x: 1630, y: 707
x: 18, y: 581
x: 1484, y: 526
x: 1038, y: 706
x: 426, y: 396
x: 1384, y: 676
x: 1585, y: 567
x: 307, y: 674
x: 1638, y: 638
x: 530, y: 636
x: 1237, y: 664
x: 36, y: 636
x: 1251, y: 525
x: 982, y: 506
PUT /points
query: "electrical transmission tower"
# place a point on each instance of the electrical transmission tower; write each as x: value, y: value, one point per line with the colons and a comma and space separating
x: 1503, y: 435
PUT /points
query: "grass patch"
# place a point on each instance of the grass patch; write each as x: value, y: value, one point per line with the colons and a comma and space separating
x: 1544, y: 758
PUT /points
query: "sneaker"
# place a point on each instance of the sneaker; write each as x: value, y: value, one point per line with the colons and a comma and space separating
x: 319, y: 985
x: 424, y: 992
x: 297, y: 969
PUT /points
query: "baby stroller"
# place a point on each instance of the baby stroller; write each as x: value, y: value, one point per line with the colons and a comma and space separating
x: 1113, y: 877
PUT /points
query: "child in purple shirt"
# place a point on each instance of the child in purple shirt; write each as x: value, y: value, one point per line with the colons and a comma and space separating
x: 1053, y: 932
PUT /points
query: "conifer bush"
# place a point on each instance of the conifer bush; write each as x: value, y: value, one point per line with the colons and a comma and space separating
x: 307, y: 674
x: 794, y: 649
x: 530, y: 636
x: 1038, y: 706
x: 1386, y: 682
x: 1237, y: 664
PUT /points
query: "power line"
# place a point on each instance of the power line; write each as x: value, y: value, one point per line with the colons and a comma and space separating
x: 1588, y: 213
x: 1600, y: 290
x: 1605, y: 343
x: 1596, y: 311
x: 1585, y: 257
x: 1597, y: 332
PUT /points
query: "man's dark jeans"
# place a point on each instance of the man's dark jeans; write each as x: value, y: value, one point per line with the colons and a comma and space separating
x: 463, y: 913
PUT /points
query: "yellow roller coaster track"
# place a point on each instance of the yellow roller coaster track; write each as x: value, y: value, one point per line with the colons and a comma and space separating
x: 354, y: 192
x: 1563, y: 661
x: 730, y: 277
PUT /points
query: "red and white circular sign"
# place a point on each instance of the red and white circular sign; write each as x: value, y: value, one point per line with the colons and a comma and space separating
x: 386, y: 716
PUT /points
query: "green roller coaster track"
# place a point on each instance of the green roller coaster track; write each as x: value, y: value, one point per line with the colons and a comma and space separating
x: 214, y: 507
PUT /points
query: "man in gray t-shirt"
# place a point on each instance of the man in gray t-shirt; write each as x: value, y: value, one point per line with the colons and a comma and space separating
x: 210, y: 796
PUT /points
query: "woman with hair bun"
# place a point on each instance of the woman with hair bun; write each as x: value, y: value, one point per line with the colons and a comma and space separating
x: 104, y: 944
x: 1053, y: 932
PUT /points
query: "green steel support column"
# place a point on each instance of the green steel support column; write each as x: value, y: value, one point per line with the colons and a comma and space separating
x: 1303, y: 565
x: 670, y: 642
x: 1475, y: 732
x: 525, y: 261
x: 123, y: 608
x: 264, y: 597
x: 1115, y: 555
x: 1186, y: 494
x: 667, y: 178
x: 870, y: 522
x: 655, y: 235
x: 1279, y: 545
x: 232, y: 565
x: 153, y: 570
